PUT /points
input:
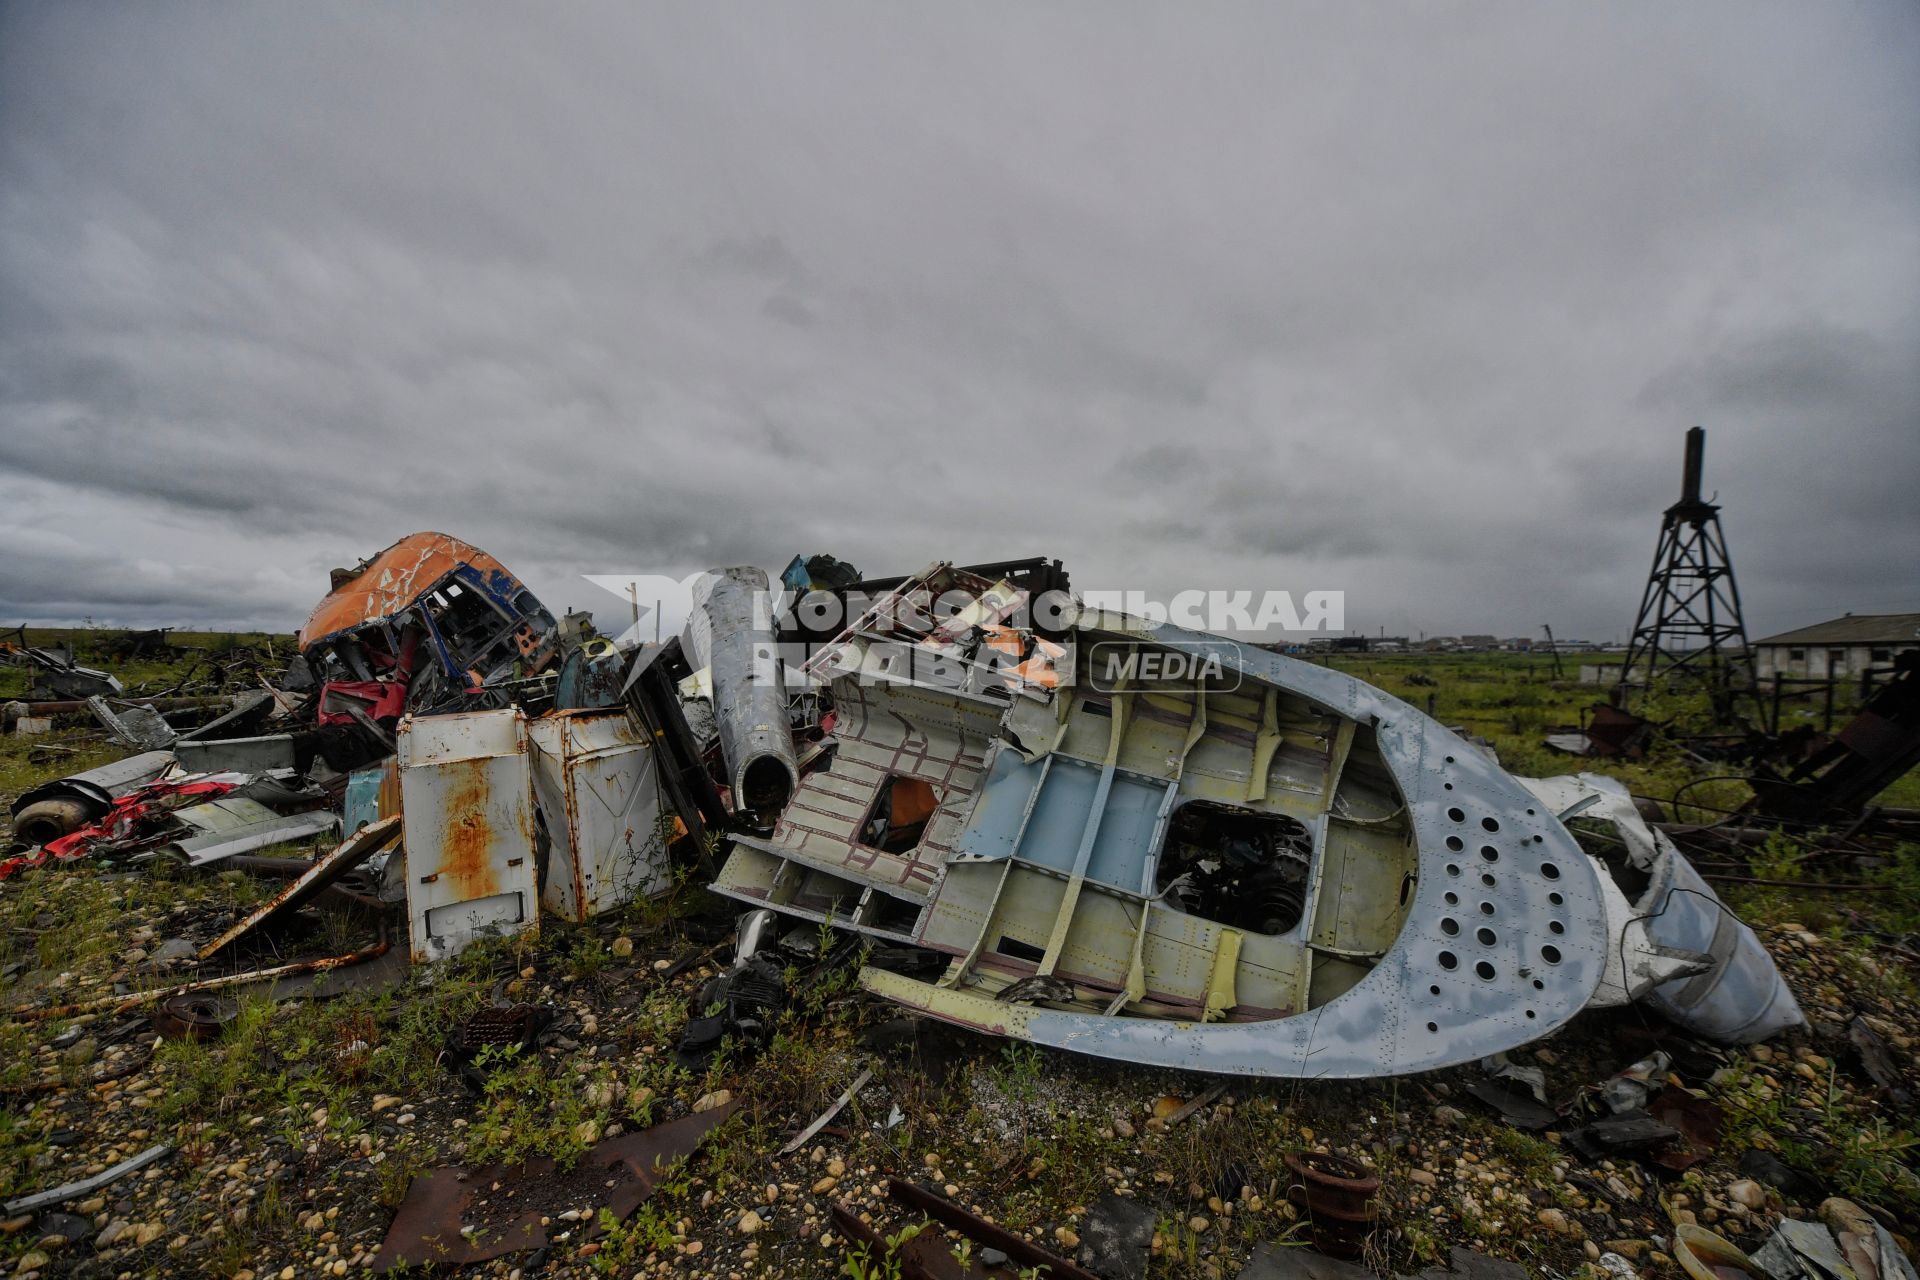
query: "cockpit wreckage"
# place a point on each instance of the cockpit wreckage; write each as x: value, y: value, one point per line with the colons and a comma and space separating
x: 1088, y: 830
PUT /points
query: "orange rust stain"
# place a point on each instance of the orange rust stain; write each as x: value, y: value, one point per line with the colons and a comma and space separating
x: 912, y: 801
x: 467, y: 852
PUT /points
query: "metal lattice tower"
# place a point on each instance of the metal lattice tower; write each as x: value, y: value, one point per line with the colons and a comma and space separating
x: 1690, y: 620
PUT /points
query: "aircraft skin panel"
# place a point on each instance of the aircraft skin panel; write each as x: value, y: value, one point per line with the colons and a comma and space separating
x: 1501, y: 939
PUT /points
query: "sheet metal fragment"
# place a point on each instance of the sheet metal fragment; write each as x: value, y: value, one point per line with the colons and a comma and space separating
x: 245, y: 755
x: 1515, y: 1105
x: 353, y: 851
x: 1275, y: 1261
x: 1023, y: 1253
x: 1802, y: 1251
x: 141, y: 728
x: 825, y: 1118
x: 1620, y: 1134
x: 85, y: 1186
x: 1116, y: 1236
x: 238, y: 824
x: 455, y: 1217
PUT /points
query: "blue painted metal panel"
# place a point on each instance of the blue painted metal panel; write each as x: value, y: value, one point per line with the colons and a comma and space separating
x: 1000, y: 808
x: 1123, y: 843
x: 1432, y: 1000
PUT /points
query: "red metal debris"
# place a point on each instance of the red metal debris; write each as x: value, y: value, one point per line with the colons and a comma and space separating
x: 457, y: 1216
x: 120, y: 823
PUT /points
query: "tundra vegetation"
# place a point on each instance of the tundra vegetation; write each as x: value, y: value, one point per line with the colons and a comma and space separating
x: 298, y: 1131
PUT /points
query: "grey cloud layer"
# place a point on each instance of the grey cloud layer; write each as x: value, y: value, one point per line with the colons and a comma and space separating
x: 1406, y: 301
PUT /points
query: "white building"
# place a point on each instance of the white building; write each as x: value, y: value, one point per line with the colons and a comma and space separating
x: 1841, y: 649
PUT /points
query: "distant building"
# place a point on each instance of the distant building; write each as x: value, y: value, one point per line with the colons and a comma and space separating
x: 1479, y: 642
x: 1840, y: 649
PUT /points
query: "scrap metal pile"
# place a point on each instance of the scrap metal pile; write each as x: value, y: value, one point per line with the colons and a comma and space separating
x: 1057, y: 824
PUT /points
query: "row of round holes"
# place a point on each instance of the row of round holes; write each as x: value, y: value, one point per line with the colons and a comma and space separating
x: 1450, y: 961
x: 1487, y: 937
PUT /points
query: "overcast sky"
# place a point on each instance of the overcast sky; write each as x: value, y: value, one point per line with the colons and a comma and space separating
x: 1414, y: 300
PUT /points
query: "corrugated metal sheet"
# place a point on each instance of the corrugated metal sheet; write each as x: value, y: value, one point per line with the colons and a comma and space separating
x: 235, y: 824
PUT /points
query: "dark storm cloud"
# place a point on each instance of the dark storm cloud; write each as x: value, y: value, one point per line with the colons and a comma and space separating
x: 1410, y: 301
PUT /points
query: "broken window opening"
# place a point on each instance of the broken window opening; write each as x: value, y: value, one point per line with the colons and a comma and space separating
x: 1238, y: 866
x: 468, y: 622
x: 1603, y: 841
x: 897, y: 821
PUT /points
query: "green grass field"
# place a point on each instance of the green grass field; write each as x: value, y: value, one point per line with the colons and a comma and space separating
x: 140, y: 676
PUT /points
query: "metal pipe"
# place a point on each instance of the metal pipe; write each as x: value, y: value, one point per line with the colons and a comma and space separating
x: 74, y: 1190
x: 124, y: 1002
x: 71, y: 706
x: 731, y: 633
x: 1696, y: 463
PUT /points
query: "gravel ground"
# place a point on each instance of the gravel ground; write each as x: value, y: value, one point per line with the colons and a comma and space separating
x: 297, y: 1133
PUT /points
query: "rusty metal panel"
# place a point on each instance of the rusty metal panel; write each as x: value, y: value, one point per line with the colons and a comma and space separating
x: 458, y: 1216
x: 356, y: 849
x: 597, y: 786
x: 467, y: 808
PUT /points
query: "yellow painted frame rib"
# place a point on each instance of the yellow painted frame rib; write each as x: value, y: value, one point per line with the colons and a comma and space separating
x: 1220, y: 982
x: 1266, y: 741
x: 1136, y: 988
x: 1057, y: 942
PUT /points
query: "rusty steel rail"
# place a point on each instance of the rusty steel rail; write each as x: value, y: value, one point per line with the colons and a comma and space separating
x: 75, y: 706
x: 121, y: 1003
